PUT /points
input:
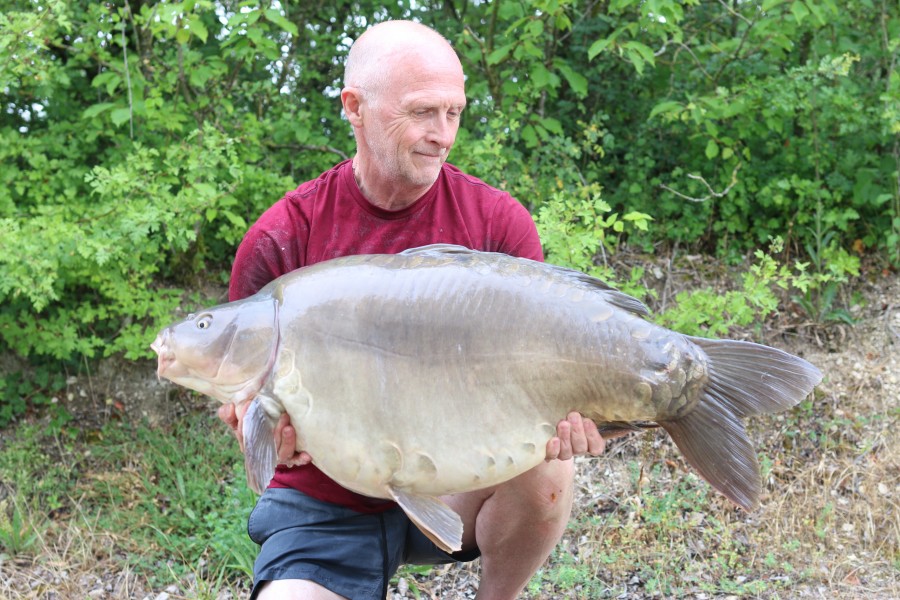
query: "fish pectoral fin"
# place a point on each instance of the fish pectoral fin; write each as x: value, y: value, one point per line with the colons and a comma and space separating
x: 436, y: 520
x: 260, y: 454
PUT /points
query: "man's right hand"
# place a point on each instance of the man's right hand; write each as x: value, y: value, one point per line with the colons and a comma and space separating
x: 285, y: 434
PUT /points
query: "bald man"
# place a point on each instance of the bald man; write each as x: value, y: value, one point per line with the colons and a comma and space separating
x: 403, y: 94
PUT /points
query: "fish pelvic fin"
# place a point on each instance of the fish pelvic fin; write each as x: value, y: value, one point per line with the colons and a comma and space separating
x: 260, y: 456
x: 745, y: 379
x: 436, y: 520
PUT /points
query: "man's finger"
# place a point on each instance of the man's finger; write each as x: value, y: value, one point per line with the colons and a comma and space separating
x: 227, y: 415
x: 564, y: 433
x: 578, y: 441
x: 299, y: 459
x: 283, y: 443
x: 552, y: 449
x: 596, y: 443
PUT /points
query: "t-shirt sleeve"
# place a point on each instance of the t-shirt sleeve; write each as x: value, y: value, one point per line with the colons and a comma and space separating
x: 268, y: 251
x: 515, y: 230
x: 248, y: 273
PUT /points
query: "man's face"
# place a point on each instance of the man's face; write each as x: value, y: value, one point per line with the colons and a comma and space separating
x: 412, y: 123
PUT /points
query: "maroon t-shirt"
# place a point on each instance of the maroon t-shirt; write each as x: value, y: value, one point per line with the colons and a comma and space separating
x: 329, y: 217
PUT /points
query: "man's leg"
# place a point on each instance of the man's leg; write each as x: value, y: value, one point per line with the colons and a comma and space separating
x: 516, y: 525
x: 296, y: 589
x: 318, y: 550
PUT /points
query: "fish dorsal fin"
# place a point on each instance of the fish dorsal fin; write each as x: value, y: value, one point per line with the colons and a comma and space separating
x: 592, y: 284
x: 612, y: 295
x: 440, y: 249
x: 433, y: 517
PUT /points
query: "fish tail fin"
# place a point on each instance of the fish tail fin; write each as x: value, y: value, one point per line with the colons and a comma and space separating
x: 745, y: 379
x: 260, y: 456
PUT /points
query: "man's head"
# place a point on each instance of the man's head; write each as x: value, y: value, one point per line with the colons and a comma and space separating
x: 403, y: 93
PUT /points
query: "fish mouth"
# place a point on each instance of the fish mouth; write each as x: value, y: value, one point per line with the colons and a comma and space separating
x: 165, y: 356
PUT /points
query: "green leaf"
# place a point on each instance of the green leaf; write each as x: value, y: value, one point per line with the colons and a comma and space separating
x: 599, y: 46
x: 529, y: 136
x: 552, y: 125
x: 235, y: 219
x: 109, y: 78
x: 543, y: 78
x: 669, y: 106
x: 639, y: 54
x: 120, y: 115
x: 712, y: 149
x: 205, y: 190
x: 196, y: 26
x: 199, y: 75
x: 510, y: 10
x: 94, y: 110
x: 535, y: 28
x: 577, y: 81
x: 799, y: 10
x: 279, y: 19
x: 499, y: 55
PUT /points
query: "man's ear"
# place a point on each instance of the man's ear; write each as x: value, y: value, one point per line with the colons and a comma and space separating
x: 351, y: 99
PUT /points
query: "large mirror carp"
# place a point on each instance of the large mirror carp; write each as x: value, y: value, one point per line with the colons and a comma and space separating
x: 451, y: 367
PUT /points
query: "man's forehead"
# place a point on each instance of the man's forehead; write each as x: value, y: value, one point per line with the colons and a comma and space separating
x: 434, y: 95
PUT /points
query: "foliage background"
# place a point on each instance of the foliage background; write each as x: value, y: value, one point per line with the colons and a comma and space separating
x: 139, y: 139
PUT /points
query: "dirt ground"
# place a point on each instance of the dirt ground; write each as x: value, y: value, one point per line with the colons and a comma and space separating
x: 856, y: 482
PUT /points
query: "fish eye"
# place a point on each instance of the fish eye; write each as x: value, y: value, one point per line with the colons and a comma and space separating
x: 204, y: 321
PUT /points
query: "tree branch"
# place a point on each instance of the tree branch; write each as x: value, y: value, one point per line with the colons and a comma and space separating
x: 712, y: 192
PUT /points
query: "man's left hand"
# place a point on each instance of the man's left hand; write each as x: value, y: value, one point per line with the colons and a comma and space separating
x: 575, y: 435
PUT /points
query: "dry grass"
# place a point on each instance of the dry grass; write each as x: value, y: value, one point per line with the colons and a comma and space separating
x: 643, y: 527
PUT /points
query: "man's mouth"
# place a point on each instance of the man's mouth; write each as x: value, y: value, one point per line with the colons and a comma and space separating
x: 440, y: 154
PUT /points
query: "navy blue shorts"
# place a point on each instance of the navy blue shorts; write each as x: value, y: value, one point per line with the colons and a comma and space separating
x: 350, y: 553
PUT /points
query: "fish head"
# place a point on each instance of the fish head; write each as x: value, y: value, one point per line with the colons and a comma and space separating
x: 226, y: 352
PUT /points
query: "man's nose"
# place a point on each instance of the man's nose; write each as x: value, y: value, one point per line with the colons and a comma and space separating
x: 443, y: 131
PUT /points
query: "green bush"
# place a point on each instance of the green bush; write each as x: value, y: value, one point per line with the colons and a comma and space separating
x: 139, y: 141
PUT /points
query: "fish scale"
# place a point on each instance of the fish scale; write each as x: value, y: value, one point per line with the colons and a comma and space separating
x: 454, y: 365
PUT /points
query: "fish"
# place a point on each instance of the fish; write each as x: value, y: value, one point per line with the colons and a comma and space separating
x: 449, y: 368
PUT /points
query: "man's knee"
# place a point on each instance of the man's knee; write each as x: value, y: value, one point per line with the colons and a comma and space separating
x: 546, y: 492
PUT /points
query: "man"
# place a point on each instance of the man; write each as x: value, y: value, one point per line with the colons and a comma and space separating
x: 403, y: 95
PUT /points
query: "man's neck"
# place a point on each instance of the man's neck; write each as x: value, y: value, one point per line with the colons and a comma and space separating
x: 386, y: 196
